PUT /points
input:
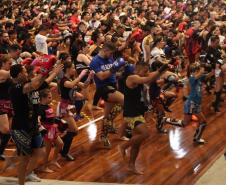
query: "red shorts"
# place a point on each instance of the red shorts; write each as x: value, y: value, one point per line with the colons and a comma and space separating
x: 64, y: 108
x: 6, y: 107
x: 52, y: 132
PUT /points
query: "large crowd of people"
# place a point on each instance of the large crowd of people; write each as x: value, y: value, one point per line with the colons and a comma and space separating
x: 135, y: 54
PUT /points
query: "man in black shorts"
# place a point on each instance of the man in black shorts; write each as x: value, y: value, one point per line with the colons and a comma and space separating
x: 24, y: 133
x: 134, y: 109
x: 105, y: 79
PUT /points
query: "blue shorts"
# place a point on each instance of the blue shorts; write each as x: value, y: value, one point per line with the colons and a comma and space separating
x: 37, y: 141
x: 191, y: 107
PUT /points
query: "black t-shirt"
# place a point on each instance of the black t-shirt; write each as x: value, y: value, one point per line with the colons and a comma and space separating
x: 23, y: 118
x: 4, y: 90
x: 213, y: 54
x: 4, y: 48
x: 64, y: 91
x: 46, y: 114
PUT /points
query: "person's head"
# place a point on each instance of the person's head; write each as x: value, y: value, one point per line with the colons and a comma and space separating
x: 5, y: 37
x: 15, y: 51
x: 108, y: 50
x: 30, y: 71
x: 96, y: 16
x: 217, y: 31
x: 194, y: 68
x: 82, y: 27
x: 19, y: 73
x: 86, y: 16
x: 5, y: 62
x: 44, y: 29
x: 214, y: 40
x: 69, y: 69
x: 64, y: 57
x: 142, y: 68
x: 97, y: 37
x: 45, y: 96
x: 12, y: 34
x: 84, y: 48
x: 196, y: 25
x: 9, y: 26
x: 159, y: 42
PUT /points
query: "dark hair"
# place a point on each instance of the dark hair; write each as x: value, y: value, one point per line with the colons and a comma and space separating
x: 109, y: 46
x: 214, y: 38
x: 3, y: 59
x: 44, y: 93
x: 67, y: 65
x: 14, y: 47
x: 156, y: 41
x: 95, y: 35
x: 63, y: 56
x: 142, y: 64
x: 84, y: 14
x: 15, y: 70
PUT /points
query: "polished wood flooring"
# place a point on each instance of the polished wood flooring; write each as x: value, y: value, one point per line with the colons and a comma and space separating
x: 167, y: 159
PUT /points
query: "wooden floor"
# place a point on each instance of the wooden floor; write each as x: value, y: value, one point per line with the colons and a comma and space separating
x: 169, y: 159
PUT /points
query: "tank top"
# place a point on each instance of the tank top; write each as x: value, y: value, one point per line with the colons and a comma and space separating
x: 133, y: 103
x: 64, y: 91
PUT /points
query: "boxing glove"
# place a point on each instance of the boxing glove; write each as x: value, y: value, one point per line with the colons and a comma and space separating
x: 26, y: 61
x: 120, y: 62
x: 45, y: 62
x: 129, y: 69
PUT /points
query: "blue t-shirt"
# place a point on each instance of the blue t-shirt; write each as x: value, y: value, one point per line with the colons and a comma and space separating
x: 196, y: 89
x: 100, y: 64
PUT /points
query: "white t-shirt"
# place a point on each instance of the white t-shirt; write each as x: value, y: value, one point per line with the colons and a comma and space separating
x: 155, y: 53
x: 41, y: 43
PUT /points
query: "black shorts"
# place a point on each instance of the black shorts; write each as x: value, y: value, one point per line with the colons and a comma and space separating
x: 105, y: 90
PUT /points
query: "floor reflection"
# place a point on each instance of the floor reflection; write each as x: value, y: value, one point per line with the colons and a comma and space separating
x: 92, y: 131
x: 175, y: 143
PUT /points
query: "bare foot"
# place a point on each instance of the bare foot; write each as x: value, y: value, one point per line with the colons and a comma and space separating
x: 133, y: 169
x: 46, y: 170
x: 56, y: 164
x: 123, y: 153
x: 97, y: 108
x: 8, y: 164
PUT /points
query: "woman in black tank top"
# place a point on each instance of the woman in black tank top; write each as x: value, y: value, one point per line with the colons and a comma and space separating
x: 67, y: 87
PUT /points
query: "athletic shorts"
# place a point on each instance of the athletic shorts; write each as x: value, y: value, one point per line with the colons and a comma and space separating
x: 25, y: 143
x: 6, y: 107
x: 52, y: 132
x: 23, y: 140
x: 191, y: 107
x: 133, y: 122
x: 64, y: 108
x: 105, y: 90
x: 37, y: 141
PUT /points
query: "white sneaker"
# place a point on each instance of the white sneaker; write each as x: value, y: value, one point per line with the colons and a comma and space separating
x: 124, y: 138
x: 33, y: 178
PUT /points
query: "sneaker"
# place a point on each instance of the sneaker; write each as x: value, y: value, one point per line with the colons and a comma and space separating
x: 2, y: 158
x: 33, y: 178
x: 159, y: 126
x: 112, y: 130
x: 199, y: 141
x: 68, y: 157
x: 124, y: 138
x: 78, y: 117
x: 105, y: 141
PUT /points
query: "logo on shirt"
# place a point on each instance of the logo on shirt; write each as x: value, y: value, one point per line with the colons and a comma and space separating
x: 106, y: 67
